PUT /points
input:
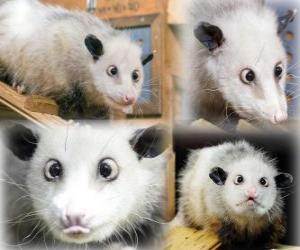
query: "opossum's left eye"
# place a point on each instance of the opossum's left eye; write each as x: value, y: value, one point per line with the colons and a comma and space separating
x: 278, y: 70
x: 108, y: 169
x: 112, y: 70
x: 53, y: 170
x: 239, y: 179
x: 264, y: 182
x: 136, y: 75
x: 247, y: 76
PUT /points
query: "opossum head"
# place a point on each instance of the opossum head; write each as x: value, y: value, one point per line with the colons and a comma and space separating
x: 251, y: 187
x: 89, y: 183
x: 247, y: 61
x: 117, y: 68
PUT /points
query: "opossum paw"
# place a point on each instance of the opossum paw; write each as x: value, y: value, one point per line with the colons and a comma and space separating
x: 20, y: 88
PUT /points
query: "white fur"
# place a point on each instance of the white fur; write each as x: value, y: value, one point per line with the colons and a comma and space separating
x: 110, y: 207
x: 202, y: 200
x: 43, y: 47
x: 251, y: 41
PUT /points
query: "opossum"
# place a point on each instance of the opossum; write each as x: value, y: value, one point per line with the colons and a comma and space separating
x: 82, y: 184
x: 54, y: 52
x: 235, y: 191
x: 236, y: 63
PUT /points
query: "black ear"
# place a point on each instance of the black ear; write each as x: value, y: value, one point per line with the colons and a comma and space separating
x: 209, y: 35
x: 283, y: 180
x: 218, y: 175
x: 94, y: 45
x: 149, y: 142
x: 283, y: 21
x: 147, y: 58
x: 21, y: 141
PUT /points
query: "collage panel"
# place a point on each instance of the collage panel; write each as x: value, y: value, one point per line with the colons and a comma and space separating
x: 241, y: 63
x: 243, y: 188
x: 89, y: 185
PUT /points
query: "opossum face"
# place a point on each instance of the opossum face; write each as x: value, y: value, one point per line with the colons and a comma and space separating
x: 88, y: 184
x: 248, y: 63
x: 250, y: 187
x: 117, y: 68
x: 254, y: 82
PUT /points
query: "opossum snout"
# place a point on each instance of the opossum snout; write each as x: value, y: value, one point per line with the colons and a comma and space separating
x: 129, y: 99
x: 73, y: 219
x: 279, y: 117
x: 251, y: 193
x: 75, y: 222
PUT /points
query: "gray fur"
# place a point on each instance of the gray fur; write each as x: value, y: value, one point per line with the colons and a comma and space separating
x: 239, y: 150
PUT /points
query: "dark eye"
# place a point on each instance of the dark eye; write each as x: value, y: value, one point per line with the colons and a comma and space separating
x: 112, y: 70
x: 108, y: 169
x: 53, y: 170
x: 264, y: 182
x: 278, y: 70
x: 136, y: 75
x: 247, y: 76
x: 238, y: 180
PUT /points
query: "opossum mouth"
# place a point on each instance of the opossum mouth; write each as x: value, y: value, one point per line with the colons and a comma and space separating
x: 76, y: 231
x: 245, y: 114
x: 252, y: 117
x: 250, y: 202
x: 117, y: 103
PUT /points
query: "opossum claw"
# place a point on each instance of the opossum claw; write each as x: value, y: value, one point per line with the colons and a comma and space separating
x: 20, y: 88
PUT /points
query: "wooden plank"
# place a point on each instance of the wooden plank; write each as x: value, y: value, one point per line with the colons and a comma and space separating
x: 41, y: 104
x: 7, y: 114
x: 176, y: 12
x: 282, y: 247
x: 187, y: 238
x: 20, y: 104
x: 33, y: 103
x: 174, y: 54
x: 109, y: 9
x: 68, y: 4
x: 170, y: 189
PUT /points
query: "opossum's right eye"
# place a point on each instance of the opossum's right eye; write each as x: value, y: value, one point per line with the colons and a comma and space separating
x: 108, y: 169
x: 264, y: 182
x: 247, y: 76
x: 278, y: 70
x: 53, y: 170
x: 112, y: 70
x: 238, y: 180
x: 136, y: 75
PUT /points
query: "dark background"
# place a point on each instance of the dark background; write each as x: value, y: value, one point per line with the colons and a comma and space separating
x: 283, y: 147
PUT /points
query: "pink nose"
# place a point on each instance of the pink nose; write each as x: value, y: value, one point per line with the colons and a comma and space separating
x: 251, y: 193
x: 73, y: 220
x: 129, y: 99
x: 279, y: 118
